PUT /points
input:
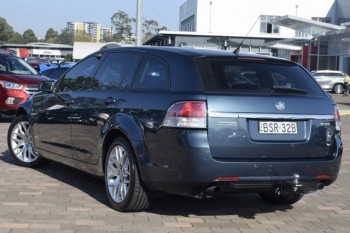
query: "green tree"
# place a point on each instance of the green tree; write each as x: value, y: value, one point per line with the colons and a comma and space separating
x: 16, y: 38
x: 162, y: 29
x: 51, y: 35
x: 66, y: 37
x: 29, y: 36
x: 149, y: 29
x: 123, y: 25
x: 82, y: 37
x: 6, y: 31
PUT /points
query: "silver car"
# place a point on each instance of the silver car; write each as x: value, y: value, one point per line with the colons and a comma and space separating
x: 330, y: 80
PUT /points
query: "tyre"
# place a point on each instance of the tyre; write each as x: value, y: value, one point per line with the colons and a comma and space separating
x: 124, y: 189
x: 338, y: 88
x: 281, y: 199
x: 20, y: 143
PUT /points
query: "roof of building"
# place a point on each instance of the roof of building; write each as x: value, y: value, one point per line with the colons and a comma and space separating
x: 39, y: 45
x: 298, y: 23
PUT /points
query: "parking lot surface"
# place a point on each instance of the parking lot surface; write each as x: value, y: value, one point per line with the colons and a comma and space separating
x: 56, y: 198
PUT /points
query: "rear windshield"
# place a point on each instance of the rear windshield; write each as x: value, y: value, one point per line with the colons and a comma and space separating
x: 256, y: 76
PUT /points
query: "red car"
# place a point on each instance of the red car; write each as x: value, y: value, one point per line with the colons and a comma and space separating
x: 38, y: 62
x: 18, y: 81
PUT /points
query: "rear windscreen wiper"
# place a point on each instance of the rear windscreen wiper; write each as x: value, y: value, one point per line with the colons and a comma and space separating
x: 284, y: 89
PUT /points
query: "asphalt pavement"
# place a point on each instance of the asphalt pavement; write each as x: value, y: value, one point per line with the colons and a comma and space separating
x: 343, y: 102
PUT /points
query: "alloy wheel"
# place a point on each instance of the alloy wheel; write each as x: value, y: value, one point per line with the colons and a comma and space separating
x: 22, y: 144
x: 118, y: 174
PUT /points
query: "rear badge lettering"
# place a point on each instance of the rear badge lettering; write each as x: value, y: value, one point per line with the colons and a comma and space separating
x: 228, y: 123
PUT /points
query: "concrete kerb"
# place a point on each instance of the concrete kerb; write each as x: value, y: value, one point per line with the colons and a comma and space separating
x: 344, y: 112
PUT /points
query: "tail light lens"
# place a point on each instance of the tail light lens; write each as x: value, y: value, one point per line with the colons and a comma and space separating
x: 189, y: 114
x: 337, y: 119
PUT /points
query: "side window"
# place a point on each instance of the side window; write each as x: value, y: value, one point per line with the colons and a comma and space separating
x: 152, y: 75
x: 112, y: 71
x: 80, y: 75
x: 3, y: 64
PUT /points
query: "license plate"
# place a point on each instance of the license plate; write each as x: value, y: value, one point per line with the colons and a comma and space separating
x: 278, y: 127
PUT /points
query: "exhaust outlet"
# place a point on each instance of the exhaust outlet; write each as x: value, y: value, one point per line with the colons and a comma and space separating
x: 320, y: 186
x: 213, y: 190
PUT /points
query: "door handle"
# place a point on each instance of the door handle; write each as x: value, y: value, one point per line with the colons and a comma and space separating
x: 110, y: 100
x: 68, y: 102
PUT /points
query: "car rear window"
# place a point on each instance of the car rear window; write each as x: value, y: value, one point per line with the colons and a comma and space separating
x: 334, y: 75
x: 255, y: 76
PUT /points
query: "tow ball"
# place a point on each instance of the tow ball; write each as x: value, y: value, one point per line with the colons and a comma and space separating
x: 296, y: 183
x: 293, y: 185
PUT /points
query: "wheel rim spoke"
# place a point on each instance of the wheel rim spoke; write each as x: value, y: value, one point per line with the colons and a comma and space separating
x: 21, y: 142
x: 118, y: 174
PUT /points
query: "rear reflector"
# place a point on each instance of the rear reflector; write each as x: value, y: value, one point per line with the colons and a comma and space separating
x: 227, y: 178
x: 189, y: 114
x: 323, y: 177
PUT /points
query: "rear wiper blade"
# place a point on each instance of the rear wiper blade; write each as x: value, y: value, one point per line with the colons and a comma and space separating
x: 285, y: 89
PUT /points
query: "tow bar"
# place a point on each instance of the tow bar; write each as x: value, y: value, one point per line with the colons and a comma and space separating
x: 296, y: 183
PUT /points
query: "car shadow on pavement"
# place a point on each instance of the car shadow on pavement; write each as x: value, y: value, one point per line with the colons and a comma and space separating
x: 243, y: 205
x: 89, y: 184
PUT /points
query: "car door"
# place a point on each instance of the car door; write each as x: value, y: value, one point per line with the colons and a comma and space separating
x: 55, y: 114
x: 92, y: 108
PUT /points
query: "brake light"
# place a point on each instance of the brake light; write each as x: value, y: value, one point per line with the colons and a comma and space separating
x: 189, y: 114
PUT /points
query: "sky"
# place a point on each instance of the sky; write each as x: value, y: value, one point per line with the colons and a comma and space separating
x: 40, y: 15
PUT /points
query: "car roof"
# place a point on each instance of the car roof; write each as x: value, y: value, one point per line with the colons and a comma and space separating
x: 191, y: 52
x: 7, y: 54
x: 329, y: 71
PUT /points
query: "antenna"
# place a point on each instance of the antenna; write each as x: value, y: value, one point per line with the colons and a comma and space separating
x: 236, y: 51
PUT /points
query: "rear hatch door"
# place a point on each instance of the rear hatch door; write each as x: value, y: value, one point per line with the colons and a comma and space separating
x: 266, y: 109
x: 283, y: 127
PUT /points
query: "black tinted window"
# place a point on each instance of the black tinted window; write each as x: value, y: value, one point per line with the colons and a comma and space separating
x: 112, y: 71
x: 152, y: 75
x: 79, y: 76
x: 254, y: 76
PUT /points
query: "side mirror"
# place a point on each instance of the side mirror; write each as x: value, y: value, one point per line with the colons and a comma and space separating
x: 46, y: 86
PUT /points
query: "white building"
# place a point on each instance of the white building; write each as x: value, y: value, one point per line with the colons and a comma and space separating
x: 91, y: 29
x: 236, y: 17
x: 311, y: 32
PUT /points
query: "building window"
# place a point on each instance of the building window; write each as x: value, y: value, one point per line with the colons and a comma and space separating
x: 322, y: 19
x: 266, y: 26
x: 188, y: 24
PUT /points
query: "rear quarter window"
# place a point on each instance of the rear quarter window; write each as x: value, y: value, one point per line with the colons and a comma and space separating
x: 255, y: 76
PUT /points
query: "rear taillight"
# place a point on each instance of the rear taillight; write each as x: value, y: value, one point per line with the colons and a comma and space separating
x: 189, y: 114
x: 337, y: 119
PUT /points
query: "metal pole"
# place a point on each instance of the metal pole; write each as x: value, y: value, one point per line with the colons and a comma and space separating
x: 210, y: 16
x: 139, y: 23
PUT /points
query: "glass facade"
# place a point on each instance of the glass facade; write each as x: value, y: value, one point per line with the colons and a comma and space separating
x: 266, y: 27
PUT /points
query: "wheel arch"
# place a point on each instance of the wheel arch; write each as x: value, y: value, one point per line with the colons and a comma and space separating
x: 125, y: 127
x: 25, y: 108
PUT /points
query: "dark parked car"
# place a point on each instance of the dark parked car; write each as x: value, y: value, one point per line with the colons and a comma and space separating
x: 55, y: 72
x: 18, y: 81
x: 184, y: 121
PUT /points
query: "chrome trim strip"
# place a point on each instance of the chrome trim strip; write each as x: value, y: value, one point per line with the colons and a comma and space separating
x: 269, y: 116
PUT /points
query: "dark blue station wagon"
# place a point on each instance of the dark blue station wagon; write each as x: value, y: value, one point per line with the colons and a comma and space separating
x: 184, y: 121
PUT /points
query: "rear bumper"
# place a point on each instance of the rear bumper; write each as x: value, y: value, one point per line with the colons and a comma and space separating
x: 182, y: 164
